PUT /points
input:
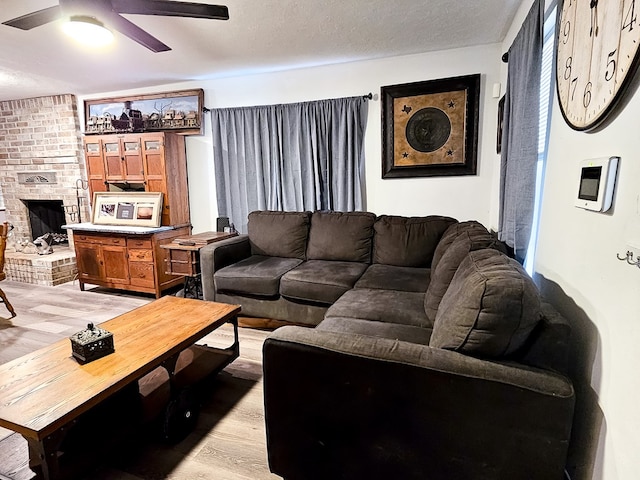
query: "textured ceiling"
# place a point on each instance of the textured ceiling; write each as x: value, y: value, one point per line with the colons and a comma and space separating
x: 260, y: 36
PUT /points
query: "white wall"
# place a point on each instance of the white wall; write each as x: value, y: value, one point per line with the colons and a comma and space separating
x: 577, y: 269
x: 467, y: 197
x: 577, y: 253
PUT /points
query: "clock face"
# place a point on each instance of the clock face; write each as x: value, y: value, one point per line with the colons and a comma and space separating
x: 598, y: 42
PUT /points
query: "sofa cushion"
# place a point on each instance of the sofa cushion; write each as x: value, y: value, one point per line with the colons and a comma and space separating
x: 470, y: 239
x: 390, y: 277
x: 393, y: 331
x: 320, y: 281
x: 490, y: 308
x: 342, y: 236
x: 279, y: 234
x: 548, y: 345
x: 450, y: 234
x: 408, y: 241
x: 389, y: 306
x: 256, y: 275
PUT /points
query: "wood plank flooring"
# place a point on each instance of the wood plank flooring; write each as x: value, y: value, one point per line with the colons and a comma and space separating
x: 228, y: 442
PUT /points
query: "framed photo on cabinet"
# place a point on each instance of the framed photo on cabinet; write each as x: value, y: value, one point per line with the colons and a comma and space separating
x: 139, y: 209
x: 430, y: 128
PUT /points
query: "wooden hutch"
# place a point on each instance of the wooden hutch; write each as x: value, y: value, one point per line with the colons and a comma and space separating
x: 130, y: 258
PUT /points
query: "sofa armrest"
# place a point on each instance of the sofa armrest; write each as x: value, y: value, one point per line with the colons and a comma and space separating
x: 218, y: 255
x: 354, y: 406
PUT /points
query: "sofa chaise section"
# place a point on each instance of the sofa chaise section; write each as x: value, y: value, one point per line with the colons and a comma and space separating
x: 479, y: 393
x: 357, y: 406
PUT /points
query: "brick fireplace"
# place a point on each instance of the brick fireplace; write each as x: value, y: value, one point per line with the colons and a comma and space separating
x: 41, y: 163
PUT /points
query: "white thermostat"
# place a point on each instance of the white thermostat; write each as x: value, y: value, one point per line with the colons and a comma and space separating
x: 597, y: 182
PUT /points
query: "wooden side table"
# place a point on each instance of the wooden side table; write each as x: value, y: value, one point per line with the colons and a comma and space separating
x: 183, y: 258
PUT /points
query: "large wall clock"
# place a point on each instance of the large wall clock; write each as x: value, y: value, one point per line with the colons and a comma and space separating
x: 597, y: 56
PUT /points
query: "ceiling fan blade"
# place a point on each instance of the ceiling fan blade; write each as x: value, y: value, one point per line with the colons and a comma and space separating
x: 171, y: 9
x: 134, y: 32
x: 35, y: 19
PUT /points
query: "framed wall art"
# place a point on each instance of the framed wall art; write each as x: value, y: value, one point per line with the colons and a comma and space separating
x: 500, y: 124
x: 179, y: 111
x: 139, y: 209
x: 430, y: 128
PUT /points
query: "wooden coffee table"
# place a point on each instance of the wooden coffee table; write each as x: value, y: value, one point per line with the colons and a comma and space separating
x: 45, y: 391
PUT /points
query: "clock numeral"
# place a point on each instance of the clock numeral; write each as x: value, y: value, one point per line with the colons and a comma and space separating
x: 611, y: 66
x: 567, y: 68
x: 630, y: 17
x: 566, y: 31
x: 586, y: 98
x: 574, y: 84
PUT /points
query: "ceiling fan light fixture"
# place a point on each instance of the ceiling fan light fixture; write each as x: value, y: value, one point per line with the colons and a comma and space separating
x: 88, y: 31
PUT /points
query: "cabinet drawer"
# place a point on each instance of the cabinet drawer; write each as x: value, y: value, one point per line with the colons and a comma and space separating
x: 138, y: 255
x: 99, y: 240
x: 141, y: 274
x: 139, y: 242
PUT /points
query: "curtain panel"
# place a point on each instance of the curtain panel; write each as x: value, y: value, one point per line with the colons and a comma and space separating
x: 290, y: 157
x: 519, y: 155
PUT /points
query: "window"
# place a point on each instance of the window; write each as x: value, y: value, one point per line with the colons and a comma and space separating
x: 546, y: 96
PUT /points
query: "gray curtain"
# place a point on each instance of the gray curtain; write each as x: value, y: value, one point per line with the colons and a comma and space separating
x: 292, y: 157
x: 519, y: 154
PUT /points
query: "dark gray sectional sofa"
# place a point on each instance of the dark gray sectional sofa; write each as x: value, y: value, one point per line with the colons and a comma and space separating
x: 432, y: 355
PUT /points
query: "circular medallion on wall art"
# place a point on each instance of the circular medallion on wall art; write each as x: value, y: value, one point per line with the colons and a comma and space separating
x: 428, y: 129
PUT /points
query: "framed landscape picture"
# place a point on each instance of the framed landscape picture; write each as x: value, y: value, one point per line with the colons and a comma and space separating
x: 430, y: 128
x: 140, y: 209
x: 179, y: 111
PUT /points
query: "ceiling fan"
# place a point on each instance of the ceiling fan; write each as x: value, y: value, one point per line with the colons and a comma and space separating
x: 108, y: 12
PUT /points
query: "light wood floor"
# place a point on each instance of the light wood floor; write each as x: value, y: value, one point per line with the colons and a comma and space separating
x: 228, y: 442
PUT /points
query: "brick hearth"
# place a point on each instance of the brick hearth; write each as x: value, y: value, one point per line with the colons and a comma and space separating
x: 53, y: 269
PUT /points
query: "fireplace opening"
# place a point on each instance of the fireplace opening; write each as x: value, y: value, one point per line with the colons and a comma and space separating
x: 47, y: 216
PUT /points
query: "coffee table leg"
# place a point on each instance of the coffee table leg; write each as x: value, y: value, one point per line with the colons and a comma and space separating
x: 43, y: 454
x: 235, y: 348
x: 170, y: 364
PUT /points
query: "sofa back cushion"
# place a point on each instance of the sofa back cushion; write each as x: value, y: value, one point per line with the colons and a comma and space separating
x: 468, y: 239
x: 548, y: 345
x: 489, y: 309
x: 279, y: 234
x: 450, y: 234
x: 342, y: 236
x: 408, y: 241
